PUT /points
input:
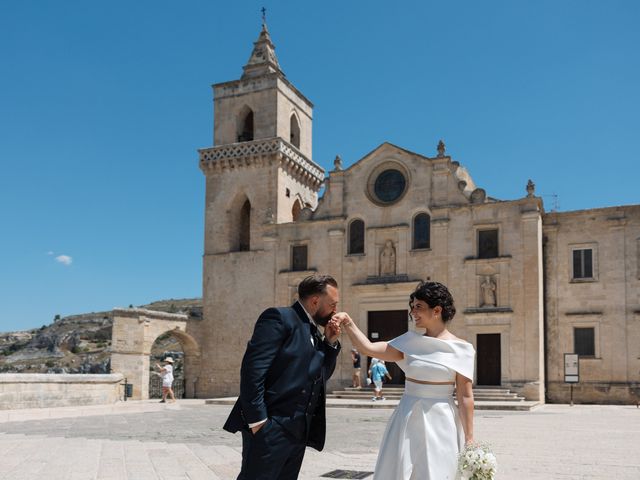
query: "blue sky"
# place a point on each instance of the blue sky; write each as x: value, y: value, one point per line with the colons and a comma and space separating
x: 104, y: 104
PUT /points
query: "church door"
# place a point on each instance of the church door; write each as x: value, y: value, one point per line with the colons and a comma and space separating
x: 386, y: 325
x: 488, y: 356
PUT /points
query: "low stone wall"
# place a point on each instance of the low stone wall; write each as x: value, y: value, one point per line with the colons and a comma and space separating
x: 606, y: 393
x: 39, y: 390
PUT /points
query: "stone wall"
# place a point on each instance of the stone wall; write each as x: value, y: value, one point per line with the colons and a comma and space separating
x: 39, y: 390
x: 608, y: 302
x: 620, y: 393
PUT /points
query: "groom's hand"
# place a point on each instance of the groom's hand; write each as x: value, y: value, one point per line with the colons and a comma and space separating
x: 332, y: 331
x: 255, y: 429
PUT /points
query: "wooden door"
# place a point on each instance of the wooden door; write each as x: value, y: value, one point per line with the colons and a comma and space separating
x: 384, y: 326
x: 488, y: 358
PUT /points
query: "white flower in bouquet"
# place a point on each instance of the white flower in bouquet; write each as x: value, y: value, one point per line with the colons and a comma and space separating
x: 477, y: 462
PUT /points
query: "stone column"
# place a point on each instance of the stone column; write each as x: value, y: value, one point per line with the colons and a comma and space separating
x: 440, y: 177
x: 612, y: 272
x: 372, y: 250
x: 336, y: 254
x: 440, y: 246
x: 402, y: 251
x: 533, y: 305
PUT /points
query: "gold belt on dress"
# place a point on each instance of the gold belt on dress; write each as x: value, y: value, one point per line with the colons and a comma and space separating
x: 424, y: 382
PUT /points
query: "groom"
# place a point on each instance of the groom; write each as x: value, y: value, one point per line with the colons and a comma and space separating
x: 285, y: 368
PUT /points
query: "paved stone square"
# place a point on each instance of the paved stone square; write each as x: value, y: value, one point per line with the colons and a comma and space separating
x: 144, y: 440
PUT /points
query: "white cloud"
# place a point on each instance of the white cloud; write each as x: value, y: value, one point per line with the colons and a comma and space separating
x: 64, y: 259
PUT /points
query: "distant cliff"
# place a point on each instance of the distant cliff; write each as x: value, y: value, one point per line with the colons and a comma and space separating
x: 78, y: 343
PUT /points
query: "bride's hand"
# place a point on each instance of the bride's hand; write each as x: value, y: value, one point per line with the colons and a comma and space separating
x: 341, y: 317
x: 334, y: 325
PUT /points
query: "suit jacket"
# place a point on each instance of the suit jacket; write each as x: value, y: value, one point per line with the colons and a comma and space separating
x: 277, y: 368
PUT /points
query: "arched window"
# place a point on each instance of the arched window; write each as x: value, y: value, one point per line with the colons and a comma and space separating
x: 246, y: 126
x: 421, y: 231
x: 295, y: 211
x: 244, y: 243
x: 295, y: 131
x: 356, y: 237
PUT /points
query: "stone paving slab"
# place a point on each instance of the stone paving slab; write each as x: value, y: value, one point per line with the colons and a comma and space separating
x: 148, y: 441
x: 523, y: 405
x: 131, y: 406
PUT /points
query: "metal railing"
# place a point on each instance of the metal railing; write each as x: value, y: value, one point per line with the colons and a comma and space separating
x: 155, y: 387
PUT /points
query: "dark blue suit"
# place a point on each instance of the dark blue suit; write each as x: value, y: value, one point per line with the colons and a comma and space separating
x: 283, y: 379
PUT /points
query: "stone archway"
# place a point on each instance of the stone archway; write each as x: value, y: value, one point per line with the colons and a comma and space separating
x: 134, y: 331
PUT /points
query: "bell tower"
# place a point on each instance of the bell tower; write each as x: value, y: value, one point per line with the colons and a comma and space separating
x: 262, y: 104
x: 261, y: 154
x: 259, y: 176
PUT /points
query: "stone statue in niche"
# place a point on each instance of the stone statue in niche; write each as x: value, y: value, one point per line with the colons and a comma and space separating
x: 388, y: 260
x: 488, y: 288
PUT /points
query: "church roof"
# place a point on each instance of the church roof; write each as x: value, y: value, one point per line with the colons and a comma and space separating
x: 382, y: 146
x: 263, y: 57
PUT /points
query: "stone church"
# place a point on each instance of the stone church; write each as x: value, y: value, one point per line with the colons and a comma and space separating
x: 529, y: 286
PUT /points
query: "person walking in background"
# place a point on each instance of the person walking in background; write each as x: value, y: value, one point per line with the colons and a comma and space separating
x: 166, y: 372
x: 378, y: 373
x: 355, y: 358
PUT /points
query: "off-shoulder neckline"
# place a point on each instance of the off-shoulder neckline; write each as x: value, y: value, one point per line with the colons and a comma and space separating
x: 442, y: 339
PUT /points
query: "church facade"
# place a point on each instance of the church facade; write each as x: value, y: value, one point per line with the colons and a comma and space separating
x: 529, y: 286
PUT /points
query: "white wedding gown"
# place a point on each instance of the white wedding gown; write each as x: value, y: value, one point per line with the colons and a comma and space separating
x: 424, y: 434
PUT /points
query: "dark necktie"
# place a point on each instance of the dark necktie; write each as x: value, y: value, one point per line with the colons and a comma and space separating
x: 315, y: 334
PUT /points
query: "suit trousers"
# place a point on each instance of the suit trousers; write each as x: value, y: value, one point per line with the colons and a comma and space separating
x: 272, y: 453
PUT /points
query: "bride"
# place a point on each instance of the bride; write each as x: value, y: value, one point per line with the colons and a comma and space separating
x: 426, y: 431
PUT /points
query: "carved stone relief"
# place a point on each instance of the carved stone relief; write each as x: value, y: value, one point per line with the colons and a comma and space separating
x: 488, y: 292
x: 388, y: 259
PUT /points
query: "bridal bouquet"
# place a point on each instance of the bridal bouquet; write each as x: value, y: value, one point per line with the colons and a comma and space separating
x: 477, y: 462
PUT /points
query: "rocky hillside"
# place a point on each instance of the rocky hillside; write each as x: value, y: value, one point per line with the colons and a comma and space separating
x: 79, y: 343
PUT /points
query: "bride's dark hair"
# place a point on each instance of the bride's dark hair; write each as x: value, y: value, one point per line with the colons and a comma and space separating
x: 435, y: 294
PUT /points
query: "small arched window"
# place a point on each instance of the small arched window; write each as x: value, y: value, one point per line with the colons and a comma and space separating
x: 356, y: 237
x: 295, y: 211
x: 246, y: 126
x: 295, y: 131
x: 244, y: 244
x: 421, y: 231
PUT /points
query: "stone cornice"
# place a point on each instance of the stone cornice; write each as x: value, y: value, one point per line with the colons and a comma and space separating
x: 401, y: 287
x: 258, y: 153
x: 397, y: 226
x: 583, y: 312
x: 500, y: 259
x: 473, y: 311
